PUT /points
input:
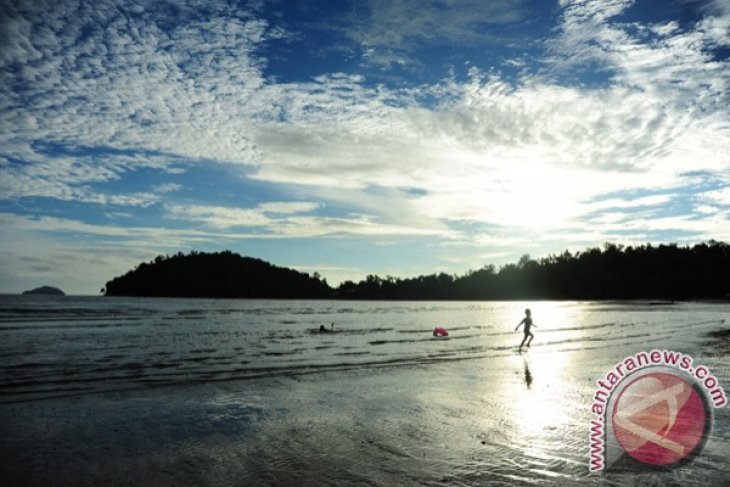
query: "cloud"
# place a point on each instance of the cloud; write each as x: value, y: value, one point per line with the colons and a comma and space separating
x: 655, y: 58
x: 718, y: 198
x: 621, y: 203
x: 390, y: 31
x: 76, y: 256
x: 219, y: 217
x: 288, y: 207
x: 164, y: 77
x: 69, y: 227
x: 165, y: 188
x: 498, y: 153
x: 535, y: 152
x: 285, y: 220
x: 195, y: 89
x: 79, y: 174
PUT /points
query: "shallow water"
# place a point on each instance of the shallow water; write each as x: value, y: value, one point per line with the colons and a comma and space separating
x: 235, y: 392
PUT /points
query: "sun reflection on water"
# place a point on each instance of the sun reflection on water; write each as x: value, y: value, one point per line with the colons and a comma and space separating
x: 538, y: 386
x: 539, y: 403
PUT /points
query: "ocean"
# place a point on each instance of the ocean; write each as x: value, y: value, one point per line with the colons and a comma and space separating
x: 143, y: 391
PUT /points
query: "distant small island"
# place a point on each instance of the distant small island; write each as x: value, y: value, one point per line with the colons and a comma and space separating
x: 46, y: 290
x: 660, y: 274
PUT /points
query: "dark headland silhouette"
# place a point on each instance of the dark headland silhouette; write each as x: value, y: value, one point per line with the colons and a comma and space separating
x: 46, y: 291
x: 646, y: 272
x: 216, y: 275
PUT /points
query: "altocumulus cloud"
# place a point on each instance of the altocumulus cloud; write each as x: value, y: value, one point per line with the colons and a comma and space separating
x: 617, y: 132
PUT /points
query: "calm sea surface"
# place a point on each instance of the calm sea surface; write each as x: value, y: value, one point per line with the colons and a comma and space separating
x: 242, y: 392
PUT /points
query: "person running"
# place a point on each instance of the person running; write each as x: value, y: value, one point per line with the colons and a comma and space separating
x: 527, y: 322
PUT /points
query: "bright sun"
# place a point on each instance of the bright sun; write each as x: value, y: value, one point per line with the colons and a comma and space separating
x: 538, y: 197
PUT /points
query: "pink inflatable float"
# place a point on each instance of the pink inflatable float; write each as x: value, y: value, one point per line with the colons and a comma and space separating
x: 440, y: 331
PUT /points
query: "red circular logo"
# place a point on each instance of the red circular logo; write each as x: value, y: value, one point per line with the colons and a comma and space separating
x: 660, y: 419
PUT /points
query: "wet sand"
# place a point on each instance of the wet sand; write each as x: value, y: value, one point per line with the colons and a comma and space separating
x: 465, y: 411
x: 513, y: 420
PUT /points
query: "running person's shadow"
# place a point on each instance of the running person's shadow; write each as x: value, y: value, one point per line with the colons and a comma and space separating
x: 528, y: 374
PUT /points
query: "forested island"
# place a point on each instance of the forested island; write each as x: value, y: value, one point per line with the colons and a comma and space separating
x: 45, y: 291
x: 216, y: 275
x: 663, y: 272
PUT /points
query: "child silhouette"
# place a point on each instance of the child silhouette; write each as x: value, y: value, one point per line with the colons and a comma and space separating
x: 527, y: 322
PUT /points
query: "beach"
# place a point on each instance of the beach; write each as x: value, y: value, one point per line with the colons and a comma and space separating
x: 206, y: 392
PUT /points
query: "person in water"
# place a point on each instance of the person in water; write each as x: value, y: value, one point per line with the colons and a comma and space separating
x: 322, y: 329
x: 527, y: 322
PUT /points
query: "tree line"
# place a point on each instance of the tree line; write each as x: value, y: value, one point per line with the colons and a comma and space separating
x: 663, y: 272
x: 667, y: 272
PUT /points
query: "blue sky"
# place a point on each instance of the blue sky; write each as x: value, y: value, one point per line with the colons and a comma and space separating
x: 356, y: 137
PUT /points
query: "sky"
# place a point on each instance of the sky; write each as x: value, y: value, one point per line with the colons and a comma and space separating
x: 389, y: 137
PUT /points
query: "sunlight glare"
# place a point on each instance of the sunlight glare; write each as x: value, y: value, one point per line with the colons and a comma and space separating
x: 536, y: 197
